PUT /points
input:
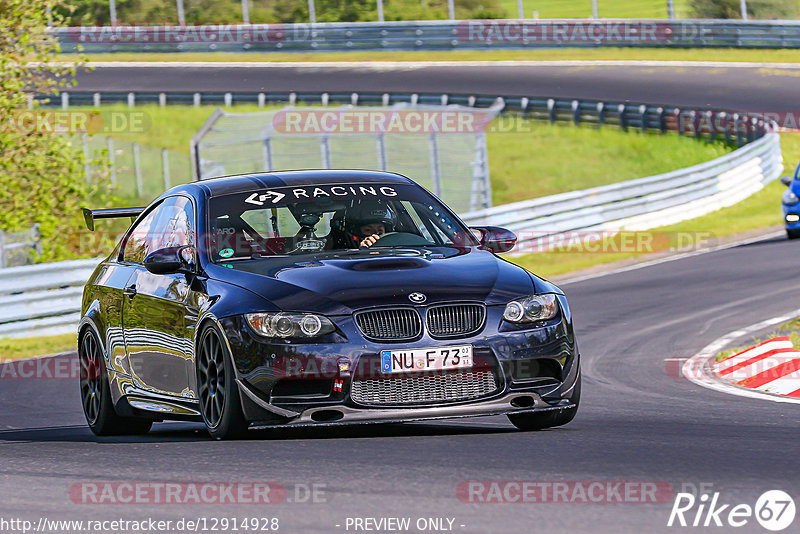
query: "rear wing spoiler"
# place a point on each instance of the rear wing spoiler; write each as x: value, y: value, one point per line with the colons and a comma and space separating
x: 90, y: 215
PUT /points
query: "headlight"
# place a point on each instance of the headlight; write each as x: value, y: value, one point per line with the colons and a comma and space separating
x: 531, y: 309
x: 789, y: 198
x: 283, y: 324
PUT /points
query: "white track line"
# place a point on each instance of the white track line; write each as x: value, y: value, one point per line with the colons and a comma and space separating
x: 697, y: 369
x: 387, y: 65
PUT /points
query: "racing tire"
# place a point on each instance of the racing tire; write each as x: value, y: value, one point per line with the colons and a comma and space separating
x: 98, y: 408
x: 550, y: 418
x: 217, y: 391
x: 792, y: 234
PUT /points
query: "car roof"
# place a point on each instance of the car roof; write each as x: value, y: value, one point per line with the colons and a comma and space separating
x: 247, y: 182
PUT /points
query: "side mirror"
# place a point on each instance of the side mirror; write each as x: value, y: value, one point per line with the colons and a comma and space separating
x: 170, y: 260
x: 786, y: 180
x: 496, y: 239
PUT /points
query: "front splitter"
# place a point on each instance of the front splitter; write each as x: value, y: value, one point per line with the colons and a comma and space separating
x: 500, y: 406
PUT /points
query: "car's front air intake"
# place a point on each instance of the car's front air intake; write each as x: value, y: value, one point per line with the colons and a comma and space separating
x: 455, y: 320
x: 450, y: 387
x: 395, y: 324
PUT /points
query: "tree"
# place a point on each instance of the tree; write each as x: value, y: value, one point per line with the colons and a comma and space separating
x: 41, y: 173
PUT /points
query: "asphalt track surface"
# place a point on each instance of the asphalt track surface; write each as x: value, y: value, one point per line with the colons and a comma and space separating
x: 637, y: 422
x: 741, y: 88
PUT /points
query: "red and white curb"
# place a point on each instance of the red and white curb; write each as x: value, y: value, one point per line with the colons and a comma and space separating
x: 771, y: 367
x: 770, y: 370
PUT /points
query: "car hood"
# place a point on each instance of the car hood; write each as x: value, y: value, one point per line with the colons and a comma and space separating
x: 341, y: 283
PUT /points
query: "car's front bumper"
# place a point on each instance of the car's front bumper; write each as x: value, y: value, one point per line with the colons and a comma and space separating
x: 546, y: 352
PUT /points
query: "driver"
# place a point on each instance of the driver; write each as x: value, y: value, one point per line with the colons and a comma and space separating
x: 368, y: 221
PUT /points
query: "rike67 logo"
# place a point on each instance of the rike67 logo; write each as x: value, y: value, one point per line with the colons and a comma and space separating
x: 774, y: 510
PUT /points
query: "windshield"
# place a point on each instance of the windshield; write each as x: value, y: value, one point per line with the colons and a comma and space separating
x: 317, y: 219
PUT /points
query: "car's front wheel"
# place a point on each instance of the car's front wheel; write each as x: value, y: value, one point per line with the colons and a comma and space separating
x: 550, y: 418
x: 216, y: 387
x: 792, y: 233
x: 98, y: 407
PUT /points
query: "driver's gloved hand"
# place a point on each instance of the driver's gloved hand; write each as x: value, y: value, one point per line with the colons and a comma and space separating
x: 369, y: 240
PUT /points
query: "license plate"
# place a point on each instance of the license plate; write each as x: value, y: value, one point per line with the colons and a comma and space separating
x: 403, y: 361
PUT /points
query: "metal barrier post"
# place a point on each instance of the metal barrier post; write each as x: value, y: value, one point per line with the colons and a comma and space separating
x: 266, y: 153
x: 137, y: 167
x: 165, y: 167
x: 737, y: 121
x: 245, y: 12
x: 436, y: 178
x: 181, y: 16
x: 86, y: 169
x: 312, y: 12
x: 643, y: 117
x: 111, y: 162
x: 623, y: 121
x: 325, y: 148
x: 2, y: 249
x: 382, y: 164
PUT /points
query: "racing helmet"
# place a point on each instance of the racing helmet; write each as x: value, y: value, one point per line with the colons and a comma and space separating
x: 369, y: 212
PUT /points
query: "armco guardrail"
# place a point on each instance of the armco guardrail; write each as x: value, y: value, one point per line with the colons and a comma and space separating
x: 433, y: 35
x: 43, y: 299
x: 732, y: 127
x: 18, y: 248
x: 643, y: 203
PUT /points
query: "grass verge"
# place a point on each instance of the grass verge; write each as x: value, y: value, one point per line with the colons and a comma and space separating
x: 559, y: 54
x: 522, y: 154
x: 15, y: 349
x: 607, y: 9
x: 760, y: 210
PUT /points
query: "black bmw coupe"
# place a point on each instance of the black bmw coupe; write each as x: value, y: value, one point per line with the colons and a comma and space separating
x: 311, y: 298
